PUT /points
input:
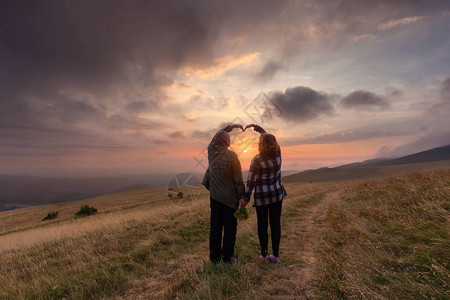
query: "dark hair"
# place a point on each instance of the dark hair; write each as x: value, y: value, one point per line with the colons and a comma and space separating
x: 268, y: 144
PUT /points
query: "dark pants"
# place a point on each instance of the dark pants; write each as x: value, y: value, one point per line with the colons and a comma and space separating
x: 222, y: 218
x: 273, y: 213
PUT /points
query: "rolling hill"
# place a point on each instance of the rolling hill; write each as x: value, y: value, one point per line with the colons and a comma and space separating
x: 426, y: 160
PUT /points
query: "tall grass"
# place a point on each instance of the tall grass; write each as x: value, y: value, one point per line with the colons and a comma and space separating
x: 377, y: 239
x: 389, y: 239
x: 102, y: 261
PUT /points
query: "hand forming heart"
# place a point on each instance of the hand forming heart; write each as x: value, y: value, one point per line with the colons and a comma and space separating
x: 243, y: 129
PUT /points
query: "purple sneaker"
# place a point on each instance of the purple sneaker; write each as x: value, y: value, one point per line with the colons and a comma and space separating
x: 273, y: 259
x: 263, y: 258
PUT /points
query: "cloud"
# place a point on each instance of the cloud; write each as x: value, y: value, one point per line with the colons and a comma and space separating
x: 392, y: 91
x: 215, y: 103
x: 204, y: 135
x: 399, y: 22
x: 364, y: 37
x: 445, y: 89
x: 94, y: 67
x: 302, y: 104
x: 102, y: 72
x: 224, y: 64
x: 177, y: 135
x: 361, y: 99
x: 340, y: 137
x: 136, y: 106
x: 269, y: 70
x: 442, y: 107
x: 88, y: 68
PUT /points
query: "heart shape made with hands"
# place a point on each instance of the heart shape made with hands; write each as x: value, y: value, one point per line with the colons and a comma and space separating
x: 242, y: 128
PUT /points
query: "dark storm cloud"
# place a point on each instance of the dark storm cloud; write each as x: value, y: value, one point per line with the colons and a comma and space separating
x: 68, y: 64
x: 76, y: 65
x: 89, y: 44
x: 301, y: 104
x: 363, y: 100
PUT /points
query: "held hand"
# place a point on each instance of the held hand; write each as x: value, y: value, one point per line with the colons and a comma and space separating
x: 242, y: 202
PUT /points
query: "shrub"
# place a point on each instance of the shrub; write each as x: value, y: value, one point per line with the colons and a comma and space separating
x: 51, y: 215
x: 180, y: 195
x: 86, y: 210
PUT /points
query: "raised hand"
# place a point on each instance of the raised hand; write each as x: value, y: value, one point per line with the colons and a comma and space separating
x: 256, y: 128
x: 248, y: 126
x: 237, y: 126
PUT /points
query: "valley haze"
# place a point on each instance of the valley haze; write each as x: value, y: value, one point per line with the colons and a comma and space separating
x: 21, y: 191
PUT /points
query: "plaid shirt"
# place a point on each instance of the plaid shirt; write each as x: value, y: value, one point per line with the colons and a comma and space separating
x: 265, y: 177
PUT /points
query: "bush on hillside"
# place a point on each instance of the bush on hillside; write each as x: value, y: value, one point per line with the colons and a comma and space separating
x: 86, y: 210
x: 51, y: 215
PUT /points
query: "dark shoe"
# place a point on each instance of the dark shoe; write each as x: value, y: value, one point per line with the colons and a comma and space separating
x: 230, y: 260
x: 215, y: 262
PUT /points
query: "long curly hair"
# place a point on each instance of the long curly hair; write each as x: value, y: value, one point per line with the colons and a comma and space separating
x: 268, y: 144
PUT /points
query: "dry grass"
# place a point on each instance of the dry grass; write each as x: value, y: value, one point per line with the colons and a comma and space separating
x: 378, y: 239
x: 389, y: 238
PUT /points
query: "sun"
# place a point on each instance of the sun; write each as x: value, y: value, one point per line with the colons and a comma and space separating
x: 245, y: 150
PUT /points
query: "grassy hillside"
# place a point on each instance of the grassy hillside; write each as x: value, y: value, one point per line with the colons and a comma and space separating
x: 362, y: 171
x: 377, y: 239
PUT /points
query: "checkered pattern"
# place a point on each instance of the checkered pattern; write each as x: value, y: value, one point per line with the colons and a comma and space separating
x: 265, y: 178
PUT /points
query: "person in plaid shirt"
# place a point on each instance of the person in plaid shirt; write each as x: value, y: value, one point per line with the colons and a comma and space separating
x: 265, y: 178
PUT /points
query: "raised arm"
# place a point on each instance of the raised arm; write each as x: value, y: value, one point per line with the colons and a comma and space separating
x: 227, y: 128
x: 256, y: 128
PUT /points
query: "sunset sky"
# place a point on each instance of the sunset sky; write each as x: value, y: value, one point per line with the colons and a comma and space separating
x: 138, y: 87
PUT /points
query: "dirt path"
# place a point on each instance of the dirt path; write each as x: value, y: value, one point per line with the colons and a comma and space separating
x: 297, y: 268
x: 300, y: 249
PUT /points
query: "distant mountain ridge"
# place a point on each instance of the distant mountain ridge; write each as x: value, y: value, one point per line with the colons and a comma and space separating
x: 435, y: 154
x: 425, y: 160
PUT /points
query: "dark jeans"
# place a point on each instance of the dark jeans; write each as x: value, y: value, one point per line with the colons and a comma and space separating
x: 222, y: 218
x: 273, y: 213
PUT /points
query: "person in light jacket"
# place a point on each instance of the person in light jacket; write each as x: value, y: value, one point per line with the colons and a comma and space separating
x: 224, y: 181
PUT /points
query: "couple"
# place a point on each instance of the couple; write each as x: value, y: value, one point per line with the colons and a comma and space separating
x: 224, y: 181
